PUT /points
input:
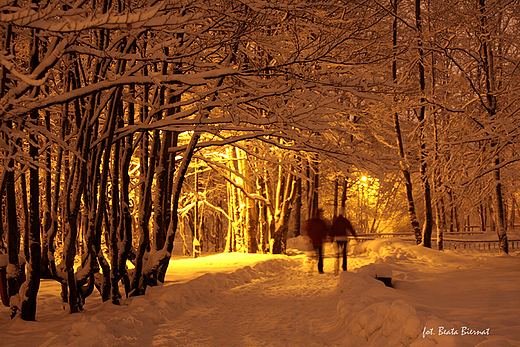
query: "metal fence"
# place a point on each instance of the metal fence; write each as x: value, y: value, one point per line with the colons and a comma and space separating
x: 448, y: 243
x: 477, y: 244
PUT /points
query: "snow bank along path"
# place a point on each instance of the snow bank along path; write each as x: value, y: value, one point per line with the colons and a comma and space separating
x: 262, y: 300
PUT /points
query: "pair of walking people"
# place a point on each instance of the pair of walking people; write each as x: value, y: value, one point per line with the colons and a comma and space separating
x: 318, y: 231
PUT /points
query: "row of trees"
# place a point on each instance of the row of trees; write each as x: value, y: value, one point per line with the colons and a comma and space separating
x: 107, y: 108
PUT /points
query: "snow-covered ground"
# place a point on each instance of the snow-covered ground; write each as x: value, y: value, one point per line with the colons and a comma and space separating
x: 437, y: 299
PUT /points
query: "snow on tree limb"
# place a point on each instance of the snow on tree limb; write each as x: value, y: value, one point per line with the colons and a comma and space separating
x: 78, y: 19
x: 197, y: 79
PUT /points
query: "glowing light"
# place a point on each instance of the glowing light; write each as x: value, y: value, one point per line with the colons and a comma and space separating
x: 364, y: 178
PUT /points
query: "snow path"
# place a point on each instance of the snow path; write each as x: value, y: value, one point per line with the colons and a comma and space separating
x: 292, y: 308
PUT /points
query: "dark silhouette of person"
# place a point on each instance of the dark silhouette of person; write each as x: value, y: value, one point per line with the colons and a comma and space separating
x: 317, y: 231
x: 340, y: 230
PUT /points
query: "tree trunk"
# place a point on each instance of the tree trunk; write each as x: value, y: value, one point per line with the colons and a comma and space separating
x: 233, y: 239
x: 138, y: 285
x: 499, y: 207
x: 196, y: 231
x: 105, y: 283
x: 13, y: 232
x: 285, y: 194
x: 263, y: 216
x: 404, y: 169
x: 230, y: 238
x: 47, y: 216
x: 421, y: 116
x: 482, y: 216
x: 343, y: 201
x: 298, y: 208
x: 28, y: 309
x: 180, y: 175
x: 114, y: 215
x: 25, y: 215
x: 13, y: 237
x: 492, y: 107
x: 161, y: 189
x: 252, y: 211
x: 125, y: 222
x: 316, y: 184
x: 453, y: 212
x: 336, y: 194
x: 3, y: 237
x: 162, y: 172
x: 437, y: 190
x: 252, y: 225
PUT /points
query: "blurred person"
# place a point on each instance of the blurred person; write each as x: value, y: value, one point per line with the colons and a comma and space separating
x: 340, y: 230
x: 317, y: 231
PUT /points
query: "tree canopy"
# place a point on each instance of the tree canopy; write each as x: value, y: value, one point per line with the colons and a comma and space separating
x: 123, y: 124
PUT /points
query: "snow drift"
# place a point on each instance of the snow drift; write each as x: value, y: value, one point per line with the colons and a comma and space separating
x: 437, y: 299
